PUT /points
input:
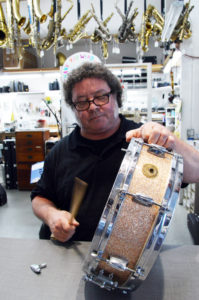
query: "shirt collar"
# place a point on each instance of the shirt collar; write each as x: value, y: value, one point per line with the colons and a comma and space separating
x: 75, y: 140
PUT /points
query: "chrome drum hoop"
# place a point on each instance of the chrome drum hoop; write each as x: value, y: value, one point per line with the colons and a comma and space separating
x: 111, y: 212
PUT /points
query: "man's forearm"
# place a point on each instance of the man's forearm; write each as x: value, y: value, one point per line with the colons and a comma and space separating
x: 191, y: 161
x: 42, y: 207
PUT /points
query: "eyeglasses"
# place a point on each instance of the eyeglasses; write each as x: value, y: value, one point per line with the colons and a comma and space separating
x: 97, y: 100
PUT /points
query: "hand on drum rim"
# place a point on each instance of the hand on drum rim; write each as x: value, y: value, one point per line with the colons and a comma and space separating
x: 153, y: 133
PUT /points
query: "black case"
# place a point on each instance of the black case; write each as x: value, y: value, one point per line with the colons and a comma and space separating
x: 9, y: 153
x: 3, y: 196
x: 193, y: 226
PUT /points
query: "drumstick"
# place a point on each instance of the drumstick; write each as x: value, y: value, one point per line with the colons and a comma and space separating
x: 79, y: 190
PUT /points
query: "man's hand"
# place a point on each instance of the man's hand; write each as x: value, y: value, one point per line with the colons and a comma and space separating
x: 153, y: 133
x: 60, y: 226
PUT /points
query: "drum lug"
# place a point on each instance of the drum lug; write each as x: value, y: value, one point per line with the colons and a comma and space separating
x: 157, y: 150
x: 126, y: 150
x: 139, y: 272
x: 144, y: 200
x: 118, y: 263
x: 102, y: 281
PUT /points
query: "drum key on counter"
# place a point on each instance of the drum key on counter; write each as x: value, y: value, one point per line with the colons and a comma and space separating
x: 37, y: 268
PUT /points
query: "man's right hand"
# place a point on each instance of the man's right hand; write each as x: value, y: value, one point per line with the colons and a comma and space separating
x: 61, y: 227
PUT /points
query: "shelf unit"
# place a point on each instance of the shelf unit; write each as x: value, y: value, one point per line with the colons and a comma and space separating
x: 136, y: 82
x: 173, y: 117
x: 25, y: 107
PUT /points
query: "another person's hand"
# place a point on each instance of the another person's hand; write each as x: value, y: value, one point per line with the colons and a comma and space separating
x: 60, y: 226
x: 153, y: 133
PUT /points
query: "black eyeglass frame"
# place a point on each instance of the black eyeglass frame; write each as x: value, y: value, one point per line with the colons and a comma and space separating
x: 92, y: 101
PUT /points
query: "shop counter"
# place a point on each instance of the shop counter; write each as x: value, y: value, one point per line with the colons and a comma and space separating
x: 174, y: 275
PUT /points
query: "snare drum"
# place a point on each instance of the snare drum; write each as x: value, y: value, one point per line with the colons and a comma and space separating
x: 136, y: 217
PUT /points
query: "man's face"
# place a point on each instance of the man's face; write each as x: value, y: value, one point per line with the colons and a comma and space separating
x: 97, y: 122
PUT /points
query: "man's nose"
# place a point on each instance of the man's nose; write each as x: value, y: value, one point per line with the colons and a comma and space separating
x: 92, y: 106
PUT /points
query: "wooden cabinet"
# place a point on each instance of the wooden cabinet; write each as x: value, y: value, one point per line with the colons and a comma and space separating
x: 30, y: 148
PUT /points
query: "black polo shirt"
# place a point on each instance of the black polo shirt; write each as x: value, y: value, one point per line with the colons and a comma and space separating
x: 95, y: 162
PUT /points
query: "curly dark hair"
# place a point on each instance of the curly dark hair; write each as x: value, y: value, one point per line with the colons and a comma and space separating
x: 92, y: 70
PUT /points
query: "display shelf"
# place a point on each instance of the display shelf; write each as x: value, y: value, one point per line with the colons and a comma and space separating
x: 136, y: 81
x: 173, y: 117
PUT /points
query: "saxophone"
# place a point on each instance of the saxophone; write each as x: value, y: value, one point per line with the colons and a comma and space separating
x: 77, y: 32
x: 59, y: 32
x: 54, y: 26
x: 127, y: 29
x: 159, y: 22
x: 20, y: 20
x: 104, y: 48
x: 101, y: 33
x: 10, y: 21
x: 146, y: 31
x: 152, y: 25
x: 3, y: 29
x: 182, y: 29
x: 42, y: 17
x: 34, y: 38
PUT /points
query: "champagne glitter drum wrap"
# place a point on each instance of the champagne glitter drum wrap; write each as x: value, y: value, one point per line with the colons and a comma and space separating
x: 136, y: 217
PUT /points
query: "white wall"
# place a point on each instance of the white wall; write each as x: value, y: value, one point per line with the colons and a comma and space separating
x: 190, y: 76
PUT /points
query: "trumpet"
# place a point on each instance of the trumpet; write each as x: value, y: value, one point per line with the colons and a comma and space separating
x: 77, y: 32
x: 3, y: 28
x: 20, y: 20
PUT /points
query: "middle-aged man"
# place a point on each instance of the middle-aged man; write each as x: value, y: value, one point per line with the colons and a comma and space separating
x: 92, y: 152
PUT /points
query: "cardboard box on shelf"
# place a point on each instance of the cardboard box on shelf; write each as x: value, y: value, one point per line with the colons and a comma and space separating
x: 12, y: 61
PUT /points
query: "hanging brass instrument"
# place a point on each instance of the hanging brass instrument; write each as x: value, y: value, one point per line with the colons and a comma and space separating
x: 152, y: 25
x: 3, y: 28
x: 42, y: 17
x: 104, y: 48
x: 61, y: 58
x: 159, y: 22
x: 77, y: 32
x: 127, y: 29
x: 27, y: 28
x: 146, y: 31
x: 182, y: 29
x: 59, y: 32
x: 34, y: 36
x: 54, y: 27
x: 48, y: 41
x: 102, y: 32
x: 20, y: 20
x: 10, y: 22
